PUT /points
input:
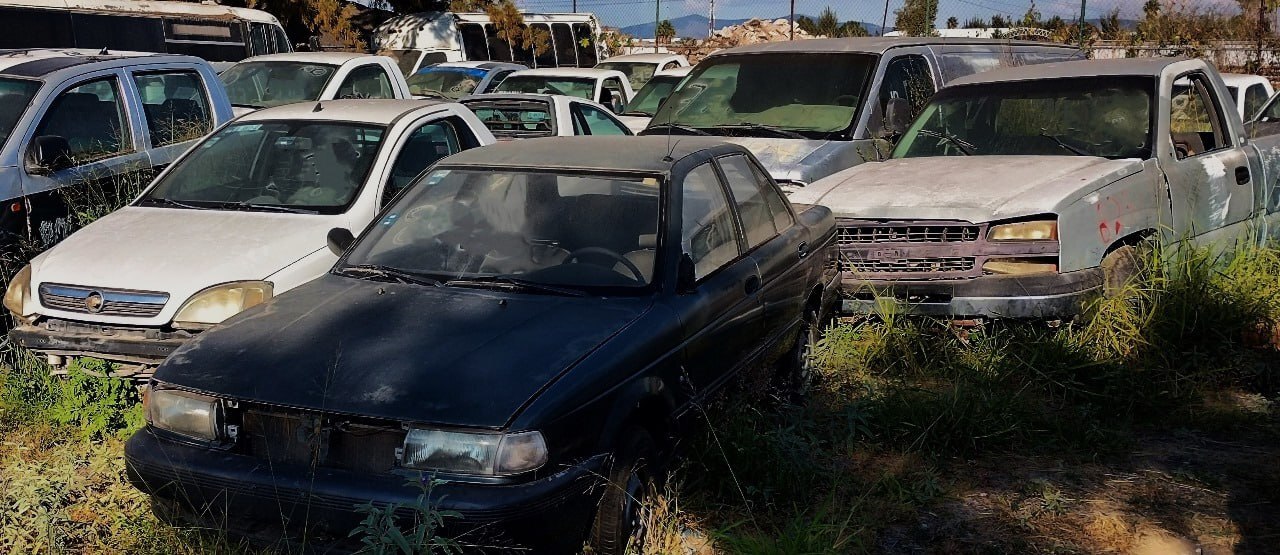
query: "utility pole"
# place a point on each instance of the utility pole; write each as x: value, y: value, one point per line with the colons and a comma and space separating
x: 575, y: 6
x: 711, y: 20
x: 793, y: 20
x: 885, y: 19
x: 1081, y: 24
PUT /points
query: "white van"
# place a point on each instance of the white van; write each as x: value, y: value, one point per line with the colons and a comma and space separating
x: 209, y: 31
x: 422, y: 39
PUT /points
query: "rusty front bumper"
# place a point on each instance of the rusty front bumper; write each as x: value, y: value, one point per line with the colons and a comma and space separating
x: 146, y: 346
x: 1030, y: 296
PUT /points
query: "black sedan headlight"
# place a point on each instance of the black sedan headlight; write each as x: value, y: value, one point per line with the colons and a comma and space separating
x: 481, y: 453
x: 184, y: 413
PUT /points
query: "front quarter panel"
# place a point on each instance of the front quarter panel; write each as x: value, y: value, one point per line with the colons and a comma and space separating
x: 1090, y: 224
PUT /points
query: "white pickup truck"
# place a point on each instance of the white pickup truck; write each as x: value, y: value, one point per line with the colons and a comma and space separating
x: 1022, y: 191
x: 277, y: 79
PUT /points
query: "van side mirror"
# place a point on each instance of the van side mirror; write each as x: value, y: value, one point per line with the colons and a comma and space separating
x: 49, y: 154
x: 340, y: 239
x: 686, y: 279
x: 897, y: 116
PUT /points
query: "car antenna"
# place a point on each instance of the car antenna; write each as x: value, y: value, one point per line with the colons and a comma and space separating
x: 319, y: 106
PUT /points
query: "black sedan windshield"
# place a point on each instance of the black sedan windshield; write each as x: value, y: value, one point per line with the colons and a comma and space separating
x: 468, y: 227
x: 814, y: 95
x: 277, y: 165
x: 1108, y: 117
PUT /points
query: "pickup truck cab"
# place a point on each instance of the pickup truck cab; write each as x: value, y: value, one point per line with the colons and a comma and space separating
x: 1248, y: 92
x: 810, y: 108
x: 241, y: 217
x: 278, y: 79
x: 1020, y: 192
x: 608, y: 87
x: 640, y: 68
x: 86, y: 118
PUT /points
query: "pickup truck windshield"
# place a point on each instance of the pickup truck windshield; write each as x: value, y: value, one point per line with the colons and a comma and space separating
x: 814, y: 95
x: 276, y: 166
x: 266, y: 84
x: 505, y: 228
x: 581, y: 87
x: 1108, y: 117
x: 15, y: 95
x: 637, y: 72
x: 446, y: 82
x: 651, y: 95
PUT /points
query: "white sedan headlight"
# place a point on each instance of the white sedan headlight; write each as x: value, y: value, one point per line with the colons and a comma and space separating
x: 184, y: 413
x: 217, y: 303
x: 491, y: 454
x: 18, y: 297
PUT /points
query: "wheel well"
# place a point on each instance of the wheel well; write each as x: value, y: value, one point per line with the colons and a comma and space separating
x: 1130, y: 240
x: 652, y: 414
x: 815, y: 299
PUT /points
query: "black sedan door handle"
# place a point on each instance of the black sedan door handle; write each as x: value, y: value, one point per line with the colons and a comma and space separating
x: 752, y: 285
x: 803, y: 249
x: 1242, y: 175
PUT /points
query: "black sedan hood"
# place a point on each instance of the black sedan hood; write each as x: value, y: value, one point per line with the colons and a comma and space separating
x: 442, y: 355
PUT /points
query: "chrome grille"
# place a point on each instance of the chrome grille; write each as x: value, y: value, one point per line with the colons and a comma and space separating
x: 874, y: 234
x: 914, y: 265
x: 113, y: 302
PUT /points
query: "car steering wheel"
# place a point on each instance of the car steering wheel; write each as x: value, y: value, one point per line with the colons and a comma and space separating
x: 606, y: 252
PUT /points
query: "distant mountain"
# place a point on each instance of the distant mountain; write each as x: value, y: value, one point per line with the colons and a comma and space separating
x: 695, y: 26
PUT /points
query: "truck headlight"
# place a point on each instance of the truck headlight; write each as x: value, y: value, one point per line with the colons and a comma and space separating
x: 217, y: 303
x: 1012, y: 266
x: 1039, y: 230
x: 17, y: 298
x: 491, y: 454
x: 184, y: 413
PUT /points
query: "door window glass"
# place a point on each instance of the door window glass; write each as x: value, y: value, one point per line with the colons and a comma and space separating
x: 473, y: 44
x: 544, y: 50
x: 175, y: 105
x: 585, y: 44
x: 599, y: 123
x: 91, y: 118
x: 424, y: 147
x: 907, y: 77
x: 1194, y: 123
x: 1254, y: 98
x: 706, y: 223
x: 749, y: 196
x: 565, y: 47
x: 499, y: 50
x: 612, y: 95
x: 367, y: 81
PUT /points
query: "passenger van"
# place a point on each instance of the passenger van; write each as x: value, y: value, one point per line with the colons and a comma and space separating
x: 215, y: 33
x: 422, y: 39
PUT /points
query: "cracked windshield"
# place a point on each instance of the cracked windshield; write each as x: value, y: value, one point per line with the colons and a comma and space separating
x: 266, y: 84
x: 290, y: 166
x: 1107, y: 117
x: 812, y: 96
x: 536, y: 228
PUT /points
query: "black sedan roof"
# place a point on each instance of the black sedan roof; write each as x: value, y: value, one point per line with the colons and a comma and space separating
x: 654, y: 154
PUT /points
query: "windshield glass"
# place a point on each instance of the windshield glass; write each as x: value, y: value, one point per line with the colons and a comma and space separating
x: 1108, y: 117
x: 405, y: 59
x: 514, y: 118
x: 266, y: 84
x: 278, y: 166
x: 15, y: 95
x: 544, y: 84
x: 638, y: 73
x: 814, y: 94
x: 446, y: 82
x: 654, y: 92
x: 577, y: 231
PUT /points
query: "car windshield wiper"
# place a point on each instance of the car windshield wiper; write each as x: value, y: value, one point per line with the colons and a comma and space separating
x: 170, y: 202
x: 777, y: 131
x: 508, y: 282
x: 1063, y: 144
x: 366, y: 271
x: 966, y: 147
x: 679, y: 127
x: 266, y: 207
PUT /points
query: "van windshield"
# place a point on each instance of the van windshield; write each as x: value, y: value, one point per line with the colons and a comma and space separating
x: 266, y: 84
x: 281, y: 166
x: 812, y: 95
x: 446, y: 82
x: 15, y: 95
x: 581, y: 87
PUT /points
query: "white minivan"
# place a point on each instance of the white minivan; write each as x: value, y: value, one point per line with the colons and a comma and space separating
x: 421, y: 39
x: 243, y: 216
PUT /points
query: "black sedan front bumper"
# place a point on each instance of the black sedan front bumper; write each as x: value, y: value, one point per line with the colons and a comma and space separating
x: 1054, y: 295
x: 250, y: 497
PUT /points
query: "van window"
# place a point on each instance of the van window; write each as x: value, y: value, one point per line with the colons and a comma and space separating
x: 144, y: 34
x: 474, y: 46
x: 586, y: 45
x: 522, y: 53
x: 34, y: 28
x: 281, y: 41
x: 215, y: 41
x: 547, y: 56
x: 566, y: 51
x: 259, y: 39
x: 175, y: 105
x: 91, y: 118
x: 366, y: 81
x: 499, y: 50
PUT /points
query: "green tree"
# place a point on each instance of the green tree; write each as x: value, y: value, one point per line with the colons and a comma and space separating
x: 852, y: 29
x: 975, y: 23
x: 953, y: 22
x: 828, y: 24
x: 666, y: 31
x: 331, y: 22
x: 1110, y: 23
x: 999, y: 22
x: 1032, y: 17
x: 916, y: 17
x: 806, y: 24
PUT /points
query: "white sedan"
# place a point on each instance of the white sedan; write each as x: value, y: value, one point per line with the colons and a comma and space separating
x: 525, y: 116
x: 608, y: 87
x: 278, y: 79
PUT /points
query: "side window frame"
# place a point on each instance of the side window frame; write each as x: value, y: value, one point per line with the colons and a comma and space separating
x: 912, y: 59
x: 744, y: 243
x: 461, y: 131
x: 128, y: 141
x: 735, y: 225
x: 580, y: 109
x: 205, y: 94
x: 355, y: 72
x: 1214, y: 113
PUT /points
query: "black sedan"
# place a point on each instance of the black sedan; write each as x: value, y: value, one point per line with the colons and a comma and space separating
x: 529, y: 322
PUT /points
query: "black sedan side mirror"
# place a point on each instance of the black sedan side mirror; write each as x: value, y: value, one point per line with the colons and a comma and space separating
x: 49, y: 154
x: 897, y: 116
x: 686, y: 279
x: 340, y: 240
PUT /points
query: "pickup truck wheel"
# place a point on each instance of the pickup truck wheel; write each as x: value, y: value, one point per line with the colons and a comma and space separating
x: 621, y: 517
x: 1119, y: 268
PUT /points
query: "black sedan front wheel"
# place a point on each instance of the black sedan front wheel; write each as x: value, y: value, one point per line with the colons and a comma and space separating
x: 622, y: 517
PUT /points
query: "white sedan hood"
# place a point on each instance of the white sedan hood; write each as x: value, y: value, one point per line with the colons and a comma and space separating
x: 179, y: 252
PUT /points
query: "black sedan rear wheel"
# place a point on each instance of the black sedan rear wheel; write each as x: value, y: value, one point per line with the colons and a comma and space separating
x: 798, y: 368
x: 622, y: 516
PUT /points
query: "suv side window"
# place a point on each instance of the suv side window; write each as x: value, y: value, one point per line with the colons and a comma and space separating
x: 176, y: 106
x: 615, y: 97
x: 907, y: 77
x: 707, y: 232
x: 367, y: 81
x: 1195, y: 126
x: 1254, y: 98
x: 751, y: 197
x: 91, y: 118
x: 596, y: 122
x: 426, y: 144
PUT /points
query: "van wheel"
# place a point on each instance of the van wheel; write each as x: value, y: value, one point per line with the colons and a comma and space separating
x: 621, y: 517
x: 1119, y: 268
